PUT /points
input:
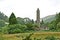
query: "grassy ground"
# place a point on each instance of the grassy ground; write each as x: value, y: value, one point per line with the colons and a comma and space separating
x: 37, y: 35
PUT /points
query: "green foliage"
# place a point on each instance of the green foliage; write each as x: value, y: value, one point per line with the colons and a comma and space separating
x: 27, y: 20
x: 29, y: 26
x: 50, y: 38
x: 58, y: 25
x: 20, y: 20
x: 4, y: 30
x: 3, y: 17
x: 24, y: 20
x: 52, y: 25
x: 16, y: 28
x: 12, y: 19
x: 58, y: 17
x: 35, y: 25
x: 2, y: 23
x: 49, y: 18
x: 42, y: 22
x: 32, y: 21
x: 28, y: 37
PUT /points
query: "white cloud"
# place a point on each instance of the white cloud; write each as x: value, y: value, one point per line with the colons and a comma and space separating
x: 27, y: 8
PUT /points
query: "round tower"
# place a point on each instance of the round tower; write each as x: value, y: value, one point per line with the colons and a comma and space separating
x: 38, y: 17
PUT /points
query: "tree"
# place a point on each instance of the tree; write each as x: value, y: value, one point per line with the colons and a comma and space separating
x: 58, y: 27
x: 55, y: 24
x: 57, y: 18
x: 42, y: 22
x: 29, y: 26
x: 20, y: 20
x: 12, y: 19
x: 2, y: 23
x: 32, y: 21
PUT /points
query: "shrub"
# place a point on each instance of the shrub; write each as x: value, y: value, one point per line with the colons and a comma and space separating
x: 29, y: 26
x: 4, y: 29
x: 16, y: 28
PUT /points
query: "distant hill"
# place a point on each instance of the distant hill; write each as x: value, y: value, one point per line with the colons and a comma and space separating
x: 22, y: 20
x: 49, y: 18
x: 19, y: 19
x: 3, y: 17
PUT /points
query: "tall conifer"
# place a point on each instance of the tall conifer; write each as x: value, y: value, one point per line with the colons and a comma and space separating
x: 12, y: 19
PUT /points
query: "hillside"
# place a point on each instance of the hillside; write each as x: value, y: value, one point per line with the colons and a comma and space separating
x: 3, y: 17
x: 48, y: 18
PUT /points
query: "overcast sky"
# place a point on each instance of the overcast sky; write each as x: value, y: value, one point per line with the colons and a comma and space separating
x: 27, y: 8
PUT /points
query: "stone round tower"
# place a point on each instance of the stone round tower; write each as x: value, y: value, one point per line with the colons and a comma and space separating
x: 38, y: 17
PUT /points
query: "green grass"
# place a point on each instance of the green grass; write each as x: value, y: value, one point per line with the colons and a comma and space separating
x: 37, y: 35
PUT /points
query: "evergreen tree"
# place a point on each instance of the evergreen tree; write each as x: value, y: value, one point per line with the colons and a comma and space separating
x: 12, y: 19
x: 32, y: 21
x: 42, y: 22
x: 58, y: 17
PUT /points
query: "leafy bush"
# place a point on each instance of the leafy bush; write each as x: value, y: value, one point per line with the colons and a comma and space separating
x: 29, y: 26
x: 16, y: 28
x: 35, y: 25
x: 58, y: 25
x: 4, y: 30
